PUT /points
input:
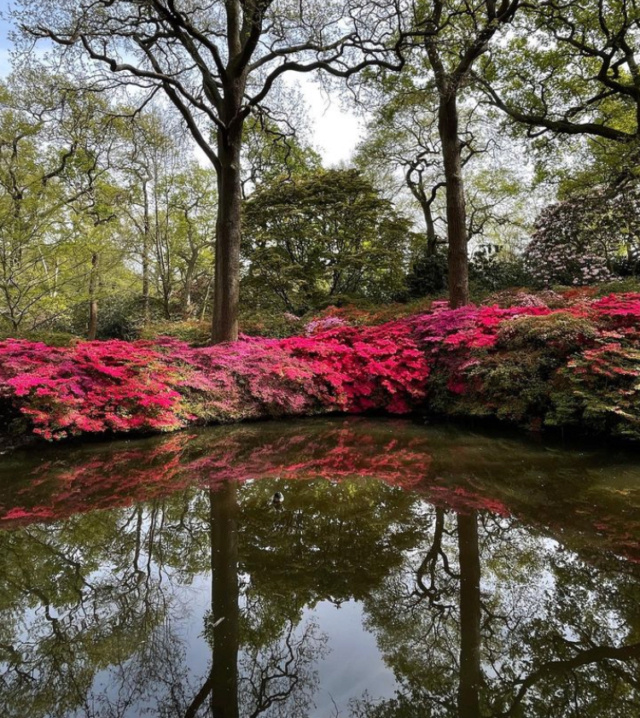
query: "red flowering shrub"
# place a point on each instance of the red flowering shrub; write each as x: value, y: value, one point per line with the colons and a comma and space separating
x: 90, y: 387
x: 579, y: 364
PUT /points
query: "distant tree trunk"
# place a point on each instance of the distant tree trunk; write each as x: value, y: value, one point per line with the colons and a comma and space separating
x: 166, y: 301
x: 146, y: 248
x: 187, y: 308
x: 456, y: 210
x: 228, y: 234
x: 93, y: 300
x: 426, y: 203
x: 192, y: 262
x: 469, y: 553
x: 432, y: 237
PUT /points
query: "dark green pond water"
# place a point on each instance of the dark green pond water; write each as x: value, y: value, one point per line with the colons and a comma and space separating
x: 410, y: 572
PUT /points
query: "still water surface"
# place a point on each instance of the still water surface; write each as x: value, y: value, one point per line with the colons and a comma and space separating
x: 410, y: 572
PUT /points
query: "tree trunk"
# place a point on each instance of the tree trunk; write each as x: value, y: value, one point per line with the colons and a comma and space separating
x: 456, y: 212
x: 469, y: 687
x: 228, y: 233
x: 146, y: 247
x: 93, y: 300
x: 187, y: 308
x: 432, y: 237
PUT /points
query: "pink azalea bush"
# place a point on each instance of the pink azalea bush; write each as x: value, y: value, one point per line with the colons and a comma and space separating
x: 574, y: 365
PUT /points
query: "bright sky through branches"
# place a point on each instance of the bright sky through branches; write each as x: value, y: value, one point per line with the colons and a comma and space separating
x: 334, y: 132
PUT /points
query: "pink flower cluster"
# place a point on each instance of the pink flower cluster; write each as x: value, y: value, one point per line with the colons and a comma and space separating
x: 117, y: 386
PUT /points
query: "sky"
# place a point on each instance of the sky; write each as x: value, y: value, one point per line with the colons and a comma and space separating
x: 334, y: 131
x: 4, y: 40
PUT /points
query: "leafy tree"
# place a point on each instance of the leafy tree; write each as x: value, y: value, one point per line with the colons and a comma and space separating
x: 216, y: 65
x: 447, y: 38
x: 322, y: 238
x: 577, y: 70
x: 403, y: 138
x: 54, y: 159
x: 273, y: 151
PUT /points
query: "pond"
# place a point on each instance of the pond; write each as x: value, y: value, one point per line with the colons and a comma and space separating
x: 410, y: 571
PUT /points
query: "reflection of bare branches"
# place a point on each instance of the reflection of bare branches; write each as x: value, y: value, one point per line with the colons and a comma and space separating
x: 91, y: 618
x: 430, y: 564
x: 596, y: 654
x: 278, y: 679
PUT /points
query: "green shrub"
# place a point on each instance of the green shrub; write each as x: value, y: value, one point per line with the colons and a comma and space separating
x: 559, y: 334
x: 194, y: 332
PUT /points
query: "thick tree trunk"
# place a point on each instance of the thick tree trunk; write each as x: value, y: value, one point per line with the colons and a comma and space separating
x: 93, y: 300
x: 469, y: 687
x: 456, y: 211
x: 228, y: 234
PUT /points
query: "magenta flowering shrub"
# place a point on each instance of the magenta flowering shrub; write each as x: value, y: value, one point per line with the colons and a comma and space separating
x: 576, y: 365
x: 96, y: 387
x: 90, y: 387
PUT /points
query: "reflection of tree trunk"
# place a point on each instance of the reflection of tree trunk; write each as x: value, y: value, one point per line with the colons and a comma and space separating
x: 222, y: 683
x: 468, y: 690
x: 430, y: 561
x: 224, y: 568
x: 595, y: 654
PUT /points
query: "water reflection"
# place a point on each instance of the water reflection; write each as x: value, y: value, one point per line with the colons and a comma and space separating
x: 190, y: 594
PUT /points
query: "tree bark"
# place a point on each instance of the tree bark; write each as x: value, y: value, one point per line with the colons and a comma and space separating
x: 469, y: 553
x: 456, y: 210
x: 228, y: 234
x: 432, y: 237
x: 146, y: 247
x: 93, y: 300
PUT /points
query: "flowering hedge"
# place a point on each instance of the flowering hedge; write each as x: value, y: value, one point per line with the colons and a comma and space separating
x: 577, y: 364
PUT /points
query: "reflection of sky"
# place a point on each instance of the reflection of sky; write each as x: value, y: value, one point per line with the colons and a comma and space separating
x: 354, y: 664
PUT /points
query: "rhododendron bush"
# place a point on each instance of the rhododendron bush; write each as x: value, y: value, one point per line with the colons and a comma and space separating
x: 577, y: 363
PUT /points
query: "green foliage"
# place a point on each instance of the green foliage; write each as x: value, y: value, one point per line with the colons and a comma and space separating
x: 495, y: 271
x: 600, y: 388
x: 322, y: 238
x: 427, y: 276
x: 271, y: 324
x: 194, y: 332
x: 559, y: 334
